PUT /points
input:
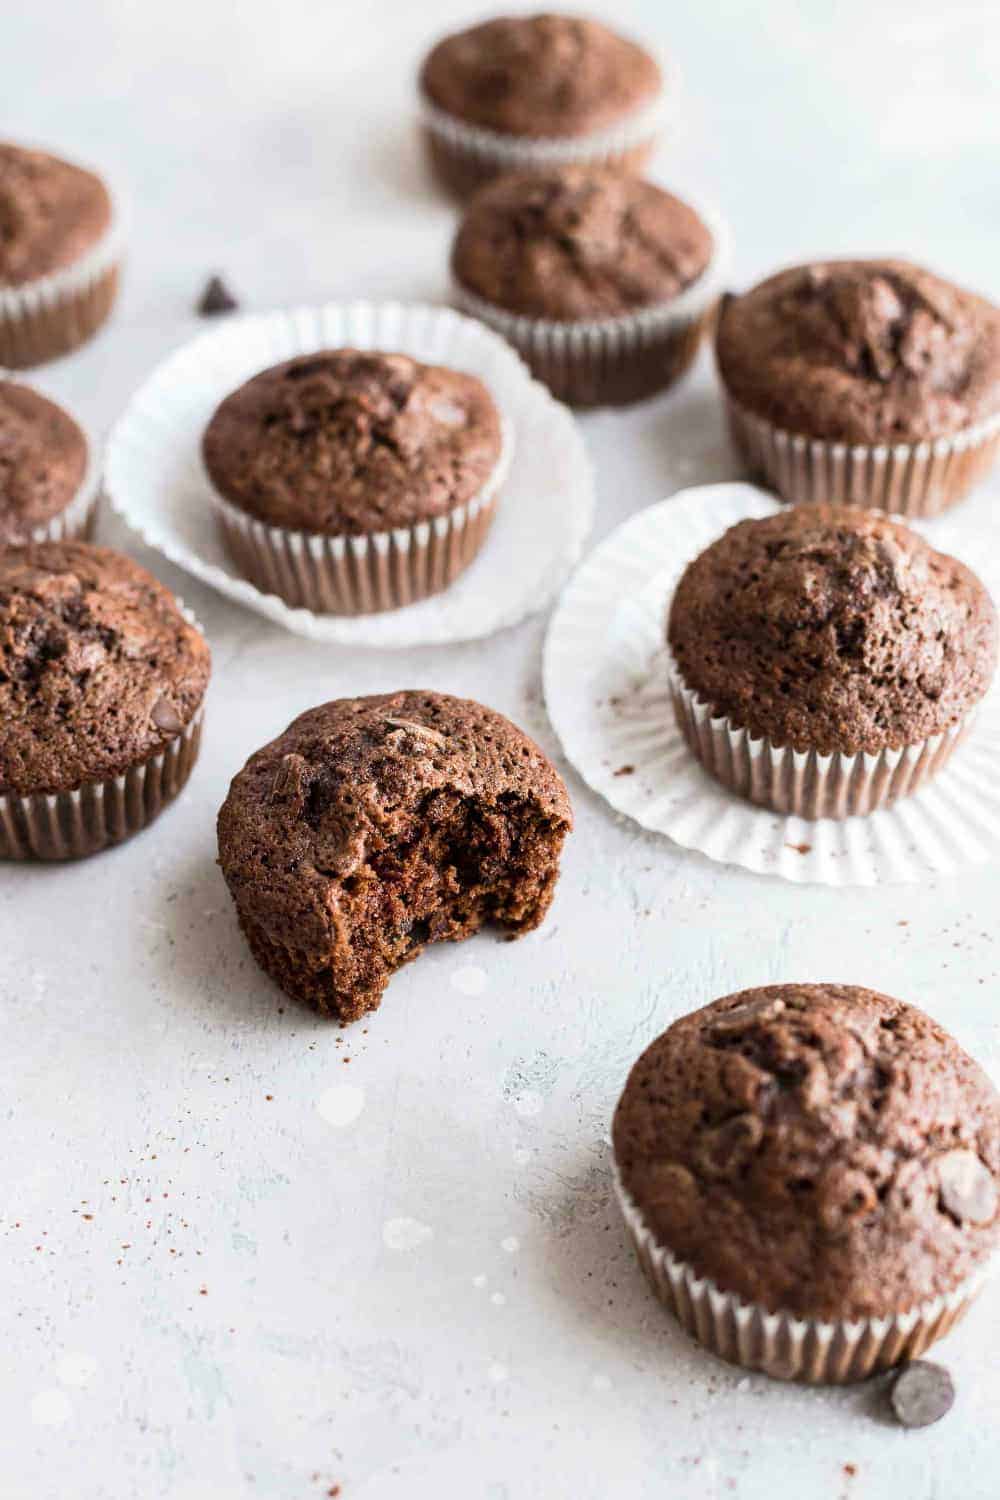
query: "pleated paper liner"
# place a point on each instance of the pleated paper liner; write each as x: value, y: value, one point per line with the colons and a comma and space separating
x: 99, y: 814
x: 907, y: 479
x: 70, y: 825
x: 156, y: 480
x: 55, y: 314
x: 364, y: 574
x: 612, y: 361
x: 805, y: 784
x: 779, y: 1344
x: 607, y: 684
x: 464, y: 157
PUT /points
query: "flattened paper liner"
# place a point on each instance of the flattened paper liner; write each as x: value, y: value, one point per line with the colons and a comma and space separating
x: 907, y: 479
x: 607, y: 690
x: 362, y: 575
x: 156, y: 480
x: 779, y: 1344
x: 613, y: 360
x: 54, y: 314
x: 465, y: 156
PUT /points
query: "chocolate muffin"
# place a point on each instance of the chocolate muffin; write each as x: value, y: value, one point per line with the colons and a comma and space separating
x: 520, y: 92
x: 59, y: 255
x: 600, y: 281
x: 47, y: 491
x: 870, y: 382
x: 805, y: 642
x: 817, y: 1152
x: 101, y: 685
x: 374, y: 826
x: 349, y: 481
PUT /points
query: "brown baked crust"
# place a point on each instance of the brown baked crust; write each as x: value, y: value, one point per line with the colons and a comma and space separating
x: 862, y: 351
x: 539, y: 76
x: 578, y: 242
x: 373, y: 826
x: 99, y: 670
x: 43, y: 459
x: 346, y: 442
x: 51, y: 213
x: 789, y: 1143
x: 833, y: 629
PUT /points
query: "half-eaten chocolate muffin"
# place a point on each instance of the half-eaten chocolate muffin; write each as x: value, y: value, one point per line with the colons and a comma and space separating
x: 374, y: 826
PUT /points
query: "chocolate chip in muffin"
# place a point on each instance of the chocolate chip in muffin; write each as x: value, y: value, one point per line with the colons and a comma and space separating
x: 786, y: 1143
x: 374, y: 826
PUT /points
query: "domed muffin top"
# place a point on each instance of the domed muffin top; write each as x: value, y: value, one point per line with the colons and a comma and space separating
x: 578, y: 242
x: 833, y: 629
x: 542, y: 76
x: 99, y: 670
x: 51, y: 213
x: 818, y: 1149
x: 353, y: 774
x: 347, y: 442
x: 862, y: 351
x: 43, y: 459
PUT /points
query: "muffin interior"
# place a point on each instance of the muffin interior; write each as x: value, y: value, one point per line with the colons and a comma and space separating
x: 462, y: 861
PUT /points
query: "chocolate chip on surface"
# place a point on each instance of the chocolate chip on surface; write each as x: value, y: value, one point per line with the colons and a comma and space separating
x: 966, y: 1187
x: 216, y: 298
x: 921, y: 1394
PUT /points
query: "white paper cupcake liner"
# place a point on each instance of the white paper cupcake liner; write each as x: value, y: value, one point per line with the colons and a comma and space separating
x: 614, y: 360
x: 71, y: 825
x: 804, y: 784
x: 467, y: 155
x: 607, y: 690
x: 780, y: 1344
x: 99, y: 814
x: 54, y: 314
x: 156, y: 480
x: 909, y: 479
x: 76, y: 522
x: 361, y: 575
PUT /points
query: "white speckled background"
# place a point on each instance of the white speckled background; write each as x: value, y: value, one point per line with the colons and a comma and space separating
x: 249, y: 1255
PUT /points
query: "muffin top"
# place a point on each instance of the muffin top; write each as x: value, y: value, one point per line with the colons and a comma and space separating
x: 354, y: 774
x: 833, y: 629
x: 347, y: 442
x: 578, y: 242
x: 818, y: 1148
x: 99, y: 670
x: 51, y: 213
x: 541, y: 76
x: 862, y: 351
x: 43, y: 458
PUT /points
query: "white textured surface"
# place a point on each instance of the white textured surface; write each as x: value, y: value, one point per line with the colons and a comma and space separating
x: 156, y: 479
x: 607, y: 694
x: 140, y: 1043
